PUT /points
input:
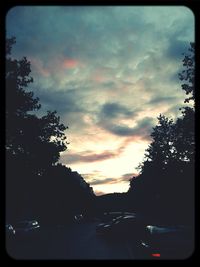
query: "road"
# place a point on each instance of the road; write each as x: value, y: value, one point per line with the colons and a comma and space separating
x: 74, y: 242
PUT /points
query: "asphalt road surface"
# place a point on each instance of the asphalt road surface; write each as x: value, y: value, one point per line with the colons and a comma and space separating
x: 74, y: 242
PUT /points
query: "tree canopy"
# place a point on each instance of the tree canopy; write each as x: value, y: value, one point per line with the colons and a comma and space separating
x: 41, y: 145
x: 188, y: 74
x: 166, y: 178
x: 35, y: 181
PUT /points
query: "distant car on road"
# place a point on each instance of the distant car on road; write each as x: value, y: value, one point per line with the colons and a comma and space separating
x: 168, y: 242
x: 27, y: 229
x: 26, y: 226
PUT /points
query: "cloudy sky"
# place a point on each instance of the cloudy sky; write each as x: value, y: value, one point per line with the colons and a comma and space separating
x: 109, y: 72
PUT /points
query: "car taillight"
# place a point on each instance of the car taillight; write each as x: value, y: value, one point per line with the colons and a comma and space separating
x: 156, y: 255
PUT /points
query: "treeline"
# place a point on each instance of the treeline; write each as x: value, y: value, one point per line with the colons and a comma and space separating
x: 36, y: 185
x: 164, y: 188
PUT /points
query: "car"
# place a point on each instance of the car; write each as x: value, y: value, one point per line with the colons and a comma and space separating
x: 10, y: 235
x: 168, y: 242
x: 27, y: 229
x: 105, y: 225
x: 103, y: 228
x: 108, y: 216
x: 128, y: 226
x: 78, y: 217
x: 10, y: 231
x: 117, y: 218
x: 123, y: 226
x: 26, y: 226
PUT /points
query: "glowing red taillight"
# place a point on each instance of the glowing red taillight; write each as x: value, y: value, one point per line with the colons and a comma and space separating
x: 157, y: 255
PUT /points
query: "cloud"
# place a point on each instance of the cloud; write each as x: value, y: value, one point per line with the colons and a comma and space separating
x: 128, y: 176
x: 99, y: 193
x: 99, y: 35
x: 39, y: 67
x: 86, y: 156
x: 113, y: 110
x: 176, y: 49
x: 141, y: 129
x: 70, y: 63
x: 63, y: 101
x: 103, y: 181
x: 108, y: 70
x: 111, y: 118
x: 122, y: 130
x: 109, y: 84
x: 174, y: 111
x: 162, y: 99
x: 94, y: 179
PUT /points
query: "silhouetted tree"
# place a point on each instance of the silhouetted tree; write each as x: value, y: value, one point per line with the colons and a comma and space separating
x: 161, y: 149
x: 63, y: 193
x: 32, y: 143
x: 36, y: 185
x: 188, y: 74
x: 27, y: 135
x: 184, y: 142
x: 166, y: 181
x: 185, y: 125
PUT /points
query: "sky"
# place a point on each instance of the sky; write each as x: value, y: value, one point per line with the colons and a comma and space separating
x: 109, y: 71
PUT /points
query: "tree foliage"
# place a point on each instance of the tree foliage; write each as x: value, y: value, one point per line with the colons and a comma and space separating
x: 161, y: 149
x: 35, y: 140
x: 36, y: 185
x: 166, y: 178
x: 188, y: 74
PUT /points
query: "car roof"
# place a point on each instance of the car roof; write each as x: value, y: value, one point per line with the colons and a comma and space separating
x: 129, y: 217
x: 161, y: 229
